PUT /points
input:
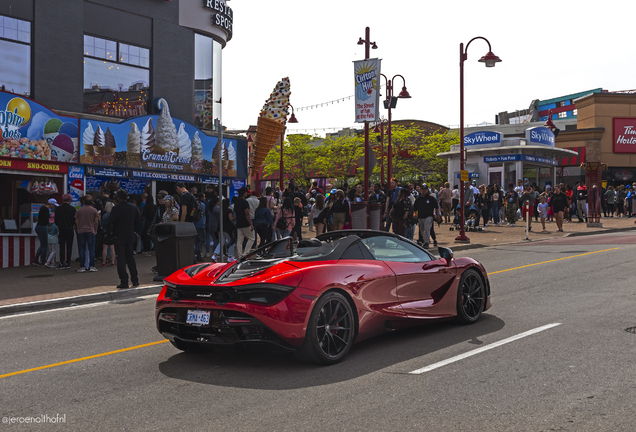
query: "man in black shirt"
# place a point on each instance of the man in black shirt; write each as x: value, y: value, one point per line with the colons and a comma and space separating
x: 426, y: 207
x: 65, y: 221
x: 392, y: 197
x: 124, y: 221
x: 244, y: 227
x: 187, y: 206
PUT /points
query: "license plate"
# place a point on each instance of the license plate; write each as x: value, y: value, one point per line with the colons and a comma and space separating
x: 198, y: 317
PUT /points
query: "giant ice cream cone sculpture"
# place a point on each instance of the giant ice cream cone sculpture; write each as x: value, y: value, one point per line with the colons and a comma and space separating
x: 271, y: 122
x: 165, y: 132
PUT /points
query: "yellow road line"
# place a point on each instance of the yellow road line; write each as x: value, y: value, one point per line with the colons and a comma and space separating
x: 83, y: 358
x: 545, y: 262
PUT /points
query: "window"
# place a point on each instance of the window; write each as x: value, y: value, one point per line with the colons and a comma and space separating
x: 207, y: 81
x: 116, y: 78
x: 392, y: 249
x: 15, y: 52
x: 574, y: 112
x: 563, y: 114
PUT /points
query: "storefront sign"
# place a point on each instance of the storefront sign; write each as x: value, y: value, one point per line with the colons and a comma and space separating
x: 485, y: 137
x: 625, y: 135
x: 235, y: 185
x: 29, y: 130
x: 540, y: 135
x: 159, y: 143
x: 517, y: 157
x: 164, y: 176
x: 223, y: 17
x: 133, y: 186
x: 76, y: 184
x: 27, y: 165
x: 106, y: 172
x: 469, y: 175
x: 367, y: 94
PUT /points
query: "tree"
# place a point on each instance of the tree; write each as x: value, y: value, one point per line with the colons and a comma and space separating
x: 299, y: 159
x: 336, y: 158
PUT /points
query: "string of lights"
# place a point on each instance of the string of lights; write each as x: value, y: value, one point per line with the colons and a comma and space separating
x: 323, y: 104
x: 322, y: 129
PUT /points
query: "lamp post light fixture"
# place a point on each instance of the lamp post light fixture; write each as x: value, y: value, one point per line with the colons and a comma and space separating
x: 292, y: 119
x: 489, y: 60
x: 389, y: 103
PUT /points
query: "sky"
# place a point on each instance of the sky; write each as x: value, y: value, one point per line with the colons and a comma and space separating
x: 548, y: 49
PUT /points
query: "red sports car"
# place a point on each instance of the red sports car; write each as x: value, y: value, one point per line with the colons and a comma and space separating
x: 321, y: 296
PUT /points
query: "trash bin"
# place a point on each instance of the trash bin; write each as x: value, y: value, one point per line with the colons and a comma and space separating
x: 174, y: 246
x: 359, y: 215
x: 374, y: 217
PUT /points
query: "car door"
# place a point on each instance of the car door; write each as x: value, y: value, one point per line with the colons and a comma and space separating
x: 421, y: 279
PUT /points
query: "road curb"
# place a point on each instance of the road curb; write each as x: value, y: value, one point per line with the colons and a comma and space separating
x: 43, y: 305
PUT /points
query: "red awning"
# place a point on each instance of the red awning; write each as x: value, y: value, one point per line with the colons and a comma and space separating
x: 574, y: 160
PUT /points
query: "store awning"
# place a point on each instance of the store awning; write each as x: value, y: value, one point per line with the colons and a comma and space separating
x: 545, y: 151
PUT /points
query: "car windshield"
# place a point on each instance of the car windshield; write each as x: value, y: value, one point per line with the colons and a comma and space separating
x: 314, y: 249
x: 306, y: 250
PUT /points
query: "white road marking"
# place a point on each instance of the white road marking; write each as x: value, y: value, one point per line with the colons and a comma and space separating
x: 482, y: 349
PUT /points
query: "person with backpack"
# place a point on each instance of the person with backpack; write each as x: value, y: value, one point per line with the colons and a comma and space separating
x: 190, y: 209
x: 285, y: 218
x: 244, y: 226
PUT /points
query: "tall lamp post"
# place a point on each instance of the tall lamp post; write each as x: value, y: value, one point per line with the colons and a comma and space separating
x: 292, y: 119
x: 490, y: 60
x: 389, y: 103
x: 379, y: 128
x: 367, y: 46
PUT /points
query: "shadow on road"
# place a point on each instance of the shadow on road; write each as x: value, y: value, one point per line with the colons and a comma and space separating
x: 263, y: 370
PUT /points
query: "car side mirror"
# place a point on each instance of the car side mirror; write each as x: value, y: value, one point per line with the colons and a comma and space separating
x: 445, y: 253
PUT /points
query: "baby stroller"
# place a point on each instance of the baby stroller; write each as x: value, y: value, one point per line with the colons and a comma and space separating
x: 472, y: 220
x: 457, y: 220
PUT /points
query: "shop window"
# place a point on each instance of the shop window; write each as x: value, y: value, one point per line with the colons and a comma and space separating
x: 563, y: 114
x: 207, y: 81
x: 15, y: 52
x: 574, y: 112
x: 116, y: 78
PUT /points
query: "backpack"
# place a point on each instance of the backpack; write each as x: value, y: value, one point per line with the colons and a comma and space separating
x: 197, y: 210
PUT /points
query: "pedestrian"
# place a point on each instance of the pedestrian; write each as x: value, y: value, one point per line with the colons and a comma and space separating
x: 65, y: 221
x: 610, y: 198
x: 445, y: 196
x: 398, y: 212
x: 469, y: 198
x: 147, y: 222
x: 244, y: 226
x: 512, y: 204
x: 455, y: 195
x: 320, y: 214
x: 495, y: 202
x: 542, y: 209
x: 214, y: 215
x: 569, y: 211
x: 187, y: 204
x: 229, y: 229
x: 41, y: 229
x: 392, y: 197
x: 426, y: 207
x: 482, y: 200
x: 87, y: 221
x: 107, y: 240
x: 339, y: 210
x: 285, y: 218
x: 200, y: 227
x: 124, y: 221
x: 559, y: 202
x: 310, y: 213
x: 581, y: 202
x: 252, y: 200
x: 527, y: 200
x: 52, y: 253
x: 263, y: 222
x: 298, y: 222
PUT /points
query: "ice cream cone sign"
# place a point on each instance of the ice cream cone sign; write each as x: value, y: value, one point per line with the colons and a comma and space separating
x: 272, y: 119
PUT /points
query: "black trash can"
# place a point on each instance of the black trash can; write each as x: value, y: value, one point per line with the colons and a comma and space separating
x: 174, y: 246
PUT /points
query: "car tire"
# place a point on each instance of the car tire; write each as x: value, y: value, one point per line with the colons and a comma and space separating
x: 330, y: 331
x: 471, y: 297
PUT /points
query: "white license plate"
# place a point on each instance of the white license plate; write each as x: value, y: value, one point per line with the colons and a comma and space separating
x: 198, y: 317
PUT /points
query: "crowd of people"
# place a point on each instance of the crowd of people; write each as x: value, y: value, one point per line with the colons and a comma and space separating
x: 110, y: 227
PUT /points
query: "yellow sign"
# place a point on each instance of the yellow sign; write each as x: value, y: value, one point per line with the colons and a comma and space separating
x: 463, y: 175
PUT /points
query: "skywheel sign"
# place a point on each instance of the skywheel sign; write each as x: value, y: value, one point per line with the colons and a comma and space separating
x: 367, y: 99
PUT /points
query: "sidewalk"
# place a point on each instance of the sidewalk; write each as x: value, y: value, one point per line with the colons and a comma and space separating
x: 57, y: 288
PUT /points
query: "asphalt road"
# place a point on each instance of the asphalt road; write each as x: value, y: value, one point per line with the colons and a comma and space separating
x: 578, y: 375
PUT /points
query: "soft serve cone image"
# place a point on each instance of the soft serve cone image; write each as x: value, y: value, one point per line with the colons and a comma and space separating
x: 99, y: 141
x: 88, y: 138
x: 51, y: 130
x: 165, y: 132
x: 197, y: 153
x: 109, y: 143
x: 133, y: 146
x: 272, y: 120
x: 148, y: 138
x: 185, y: 145
x: 231, y: 157
x: 219, y: 148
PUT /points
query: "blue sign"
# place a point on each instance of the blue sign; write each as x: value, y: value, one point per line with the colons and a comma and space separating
x: 106, y: 172
x: 76, y: 184
x: 470, y: 175
x: 235, y: 185
x: 517, y: 157
x: 540, y: 135
x: 484, y: 137
x: 190, y: 178
x: 133, y: 186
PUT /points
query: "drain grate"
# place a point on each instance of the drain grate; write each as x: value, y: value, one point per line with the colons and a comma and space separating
x: 631, y: 330
x: 38, y: 276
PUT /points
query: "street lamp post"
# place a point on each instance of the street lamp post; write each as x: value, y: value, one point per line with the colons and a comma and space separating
x: 490, y: 60
x: 380, y: 129
x: 390, y: 103
x: 292, y: 119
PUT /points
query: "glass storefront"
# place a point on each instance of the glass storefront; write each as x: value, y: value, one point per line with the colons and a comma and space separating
x: 207, y: 81
x: 15, y: 52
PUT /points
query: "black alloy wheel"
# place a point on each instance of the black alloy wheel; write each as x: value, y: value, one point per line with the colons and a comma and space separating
x: 471, y: 297
x: 330, y: 331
